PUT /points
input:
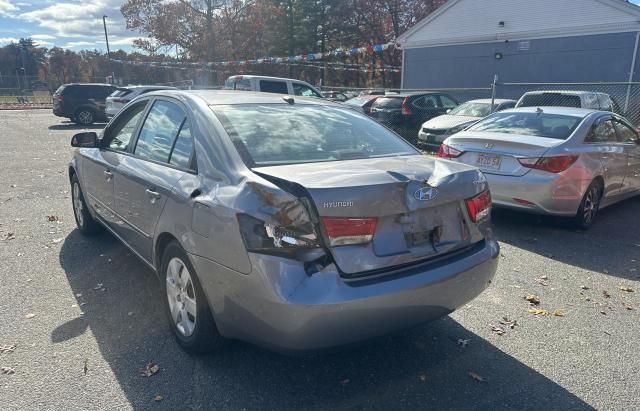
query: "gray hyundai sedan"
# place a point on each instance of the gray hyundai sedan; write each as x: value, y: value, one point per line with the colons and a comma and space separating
x: 291, y: 223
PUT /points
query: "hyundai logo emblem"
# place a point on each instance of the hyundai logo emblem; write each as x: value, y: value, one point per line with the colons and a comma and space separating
x: 426, y: 194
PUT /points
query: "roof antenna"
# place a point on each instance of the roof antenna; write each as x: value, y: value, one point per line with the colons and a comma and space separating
x: 288, y: 99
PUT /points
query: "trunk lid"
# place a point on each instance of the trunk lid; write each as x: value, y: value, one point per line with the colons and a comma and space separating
x: 408, y: 228
x: 498, y: 153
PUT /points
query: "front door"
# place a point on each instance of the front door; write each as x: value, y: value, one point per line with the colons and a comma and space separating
x: 145, y: 180
x: 629, y: 139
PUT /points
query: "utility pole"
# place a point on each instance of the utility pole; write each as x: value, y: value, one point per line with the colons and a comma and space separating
x: 106, y: 39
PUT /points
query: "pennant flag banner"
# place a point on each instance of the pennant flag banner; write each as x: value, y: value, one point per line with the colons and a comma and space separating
x: 309, y: 57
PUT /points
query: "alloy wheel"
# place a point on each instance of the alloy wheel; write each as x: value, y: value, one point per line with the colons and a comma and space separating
x: 77, y: 204
x: 85, y: 117
x: 181, y: 296
x: 591, y: 202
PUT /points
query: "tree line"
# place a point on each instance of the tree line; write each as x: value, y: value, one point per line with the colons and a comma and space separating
x: 232, y: 30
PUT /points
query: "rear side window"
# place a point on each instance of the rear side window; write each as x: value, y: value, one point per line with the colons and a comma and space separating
x: 602, y: 132
x: 235, y: 84
x: 550, y: 99
x: 625, y: 133
x: 388, y: 102
x: 269, y: 86
x: 159, y: 131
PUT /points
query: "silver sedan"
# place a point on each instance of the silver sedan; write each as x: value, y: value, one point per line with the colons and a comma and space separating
x: 288, y: 222
x: 553, y: 160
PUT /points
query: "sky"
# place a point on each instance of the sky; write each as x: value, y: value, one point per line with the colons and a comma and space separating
x: 71, y: 24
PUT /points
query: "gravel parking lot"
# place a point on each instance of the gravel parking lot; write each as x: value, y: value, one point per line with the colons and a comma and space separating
x: 80, y: 318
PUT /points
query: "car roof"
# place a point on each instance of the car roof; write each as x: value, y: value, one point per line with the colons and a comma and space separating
x: 145, y: 87
x: 90, y: 84
x: 219, y: 97
x: 568, y: 92
x: 411, y: 94
x: 250, y: 76
x: 488, y: 100
x: 567, y: 111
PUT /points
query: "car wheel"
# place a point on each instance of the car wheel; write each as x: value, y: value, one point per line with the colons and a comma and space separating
x: 188, y: 311
x: 84, y: 220
x: 589, y: 206
x: 84, y: 117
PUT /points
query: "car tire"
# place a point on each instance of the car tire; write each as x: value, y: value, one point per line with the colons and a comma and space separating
x: 84, y: 117
x: 589, y: 206
x: 187, y: 309
x: 84, y: 220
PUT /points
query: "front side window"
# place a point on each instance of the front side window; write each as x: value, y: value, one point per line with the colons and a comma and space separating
x: 529, y: 124
x: 304, y: 91
x: 276, y: 134
x: 119, y: 135
x: 159, y: 131
x: 270, y: 86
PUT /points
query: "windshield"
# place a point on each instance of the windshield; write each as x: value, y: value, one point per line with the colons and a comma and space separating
x: 472, y: 110
x: 388, y: 102
x: 276, y: 134
x: 532, y: 124
x: 550, y: 100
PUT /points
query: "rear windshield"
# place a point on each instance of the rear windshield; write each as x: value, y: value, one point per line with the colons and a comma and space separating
x: 388, y: 102
x: 59, y: 91
x: 276, y: 134
x: 234, y: 84
x: 472, y: 110
x: 550, y: 99
x: 532, y: 124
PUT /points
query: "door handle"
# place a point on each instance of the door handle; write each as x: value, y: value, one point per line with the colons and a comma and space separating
x: 108, y: 174
x: 153, y: 195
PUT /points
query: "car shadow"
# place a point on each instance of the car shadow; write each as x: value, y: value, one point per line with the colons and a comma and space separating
x: 69, y: 125
x: 611, y: 246
x: 421, y: 368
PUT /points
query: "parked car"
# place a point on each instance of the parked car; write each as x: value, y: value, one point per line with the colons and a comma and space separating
x: 335, y: 96
x: 405, y: 113
x: 435, y: 131
x: 372, y: 93
x: 267, y: 225
x: 123, y: 95
x: 553, y: 160
x: 567, y: 98
x: 362, y: 103
x: 82, y: 103
x: 272, y: 85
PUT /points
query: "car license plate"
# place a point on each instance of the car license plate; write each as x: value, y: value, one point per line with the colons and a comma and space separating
x: 488, y: 161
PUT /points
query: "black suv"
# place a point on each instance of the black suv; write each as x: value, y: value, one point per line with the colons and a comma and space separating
x: 82, y: 103
x: 405, y: 113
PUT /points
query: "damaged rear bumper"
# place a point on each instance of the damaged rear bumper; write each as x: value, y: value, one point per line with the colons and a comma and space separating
x: 280, y: 307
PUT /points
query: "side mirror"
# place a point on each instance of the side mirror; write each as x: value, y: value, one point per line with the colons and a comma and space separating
x: 88, y: 139
x: 448, y: 110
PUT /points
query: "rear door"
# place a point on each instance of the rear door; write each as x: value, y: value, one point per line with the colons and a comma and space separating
x: 145, y: 180
x: 612, y: 154
x: 629, y: 139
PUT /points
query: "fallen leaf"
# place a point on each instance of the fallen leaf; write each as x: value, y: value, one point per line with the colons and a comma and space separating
x: 498, y: 330
x: 510, y: 323
x: 606, y: 294
x: 559, y: 313
x: 29, y: 316
x: 52, y: 218
x: 476, y: 377
x: 158, y: 398
x: 7, y: 370
x: 544, y: 277
x: 627, y: 306
x: 541, y: 282
x: 463, y: 343
x: 86, y: 366
x: 9, y: 236
x: 149, y: 369
x: 538, y: 311
x: 584, y: 287
x: 626, y: 289
x: 533, y: 299
x: 5, y: 349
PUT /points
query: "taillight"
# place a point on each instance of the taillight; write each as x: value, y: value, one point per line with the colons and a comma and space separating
x: 406, y: 111
x: 347, y: 231
x: 479, y: 207
x: 60, y: 99
x: 446, y: 151
x: 555, y: 164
